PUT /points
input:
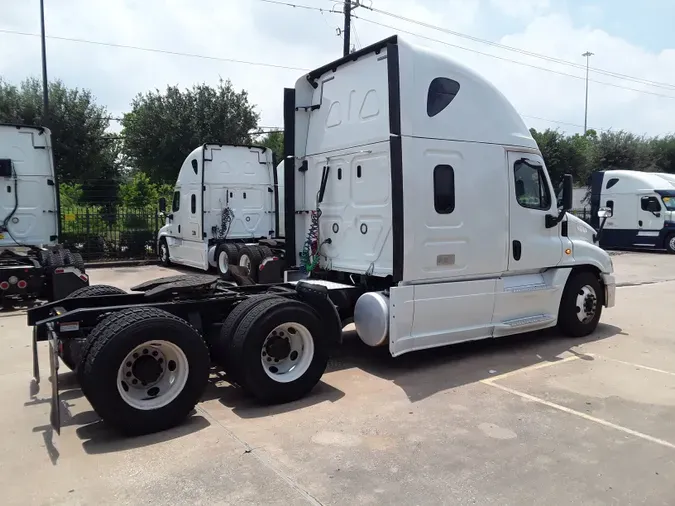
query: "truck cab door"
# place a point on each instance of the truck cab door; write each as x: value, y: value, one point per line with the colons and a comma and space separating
x: 175, y: 219
x: 651, y: 219
x: 532, y: 246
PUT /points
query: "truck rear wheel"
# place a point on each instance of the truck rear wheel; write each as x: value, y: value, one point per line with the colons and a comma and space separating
x: 141, y: 384
x: 73, y: 349
x: 581, y: 305
x: 279, y: 351
x: 250, y: 258
x: 221, y: 344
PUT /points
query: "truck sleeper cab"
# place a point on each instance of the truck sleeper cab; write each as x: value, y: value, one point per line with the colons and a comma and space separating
x: 431, y: 188
x: 641, y: 207
x: 416, y: 203
x: 225, y: 199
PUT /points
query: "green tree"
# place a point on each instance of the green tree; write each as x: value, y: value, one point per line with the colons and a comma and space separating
x: 83, y: 152
x: 622, y: 150
x: 163, y: 128
x: 663, y: 153
x: 139, y: 191
x: 275, y: 141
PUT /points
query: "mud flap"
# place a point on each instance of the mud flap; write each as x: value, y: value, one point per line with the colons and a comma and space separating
x: 36, y: 364
x: 55, y: 412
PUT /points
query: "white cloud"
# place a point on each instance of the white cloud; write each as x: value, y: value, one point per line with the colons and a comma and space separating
x: 261, y: 32
x: 524, y: 9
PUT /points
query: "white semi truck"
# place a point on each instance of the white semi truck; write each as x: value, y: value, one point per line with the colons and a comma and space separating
x: 224, y: 210
x: 32, y: 263
x: 416, y: 204
x: 640, y: 209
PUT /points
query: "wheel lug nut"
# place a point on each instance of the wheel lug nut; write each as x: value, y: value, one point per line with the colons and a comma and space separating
x: 129, y: 364
x: 134, y: 381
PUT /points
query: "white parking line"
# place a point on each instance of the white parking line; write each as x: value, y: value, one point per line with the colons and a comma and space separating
x: 640, y: 366
x: 533, y: 367
x: 590, y: 418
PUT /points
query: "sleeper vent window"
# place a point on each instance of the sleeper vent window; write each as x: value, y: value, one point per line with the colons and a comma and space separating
x: 441, y: 92
x: 444, y: 189
x: 611, y: 183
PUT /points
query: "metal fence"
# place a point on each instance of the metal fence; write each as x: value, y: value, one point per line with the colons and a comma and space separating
x: 110, y: 232
x: 584, y: 214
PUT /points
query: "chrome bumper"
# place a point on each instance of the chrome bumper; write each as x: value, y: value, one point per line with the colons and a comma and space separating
x: 610, y: 289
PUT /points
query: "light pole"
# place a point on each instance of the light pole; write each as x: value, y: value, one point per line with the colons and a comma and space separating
x: 588, y: 55
x: 45, y: 89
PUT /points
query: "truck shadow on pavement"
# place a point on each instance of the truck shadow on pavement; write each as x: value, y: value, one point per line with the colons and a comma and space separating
x: 424, y: 373
x: 232, y: 396
x: 97, y: 438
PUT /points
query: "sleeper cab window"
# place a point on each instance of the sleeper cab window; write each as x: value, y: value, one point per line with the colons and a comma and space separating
x: 531, y: 187
x: 611, y: 183
x: 175, y: 206
x: 444, y: 189
x: 193, y: 204
x: 441, y: 92
x: 195, y: 166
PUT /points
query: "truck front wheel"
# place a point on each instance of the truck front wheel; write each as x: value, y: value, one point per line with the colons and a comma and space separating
x: 145, y: 371
x: 581, y: 305
x: 280, y: 351
x: 670, y: 244
x: 164, y: 256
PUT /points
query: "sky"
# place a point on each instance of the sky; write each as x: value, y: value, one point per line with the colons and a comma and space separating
x: 628, y: 38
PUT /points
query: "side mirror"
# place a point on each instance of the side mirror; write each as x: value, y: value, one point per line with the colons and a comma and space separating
x: 605, y: 212
x: 568, y: 192
x: 162, y: 205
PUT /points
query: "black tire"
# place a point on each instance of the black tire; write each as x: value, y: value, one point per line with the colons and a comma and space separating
x: 95, y: 291
x: 54, y: 260
x: 164, y: 259
x: 248, y: 341
x: 223, y: 267
x: 117, y: 336
x: 568, y: 320
x: 220, y: 345
x: 73, y: 354
x: 266, y: 252
x: 670, y: 244
x: 232, y: 252
x: 78, y: 262
x: 254, y: 256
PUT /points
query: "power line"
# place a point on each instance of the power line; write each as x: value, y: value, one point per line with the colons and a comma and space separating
x: 513, y: 61
x: 300, y: 6
x: 668, y: 86
x: 155, y: 50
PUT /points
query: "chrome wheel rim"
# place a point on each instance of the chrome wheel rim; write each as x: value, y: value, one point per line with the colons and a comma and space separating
x: 163, y: 252
x: 287, y: 352
x: 586, y: 304
x: 223, y: 262
x: 245, y: 262
x: 152, y: 375
x: 672, y: 243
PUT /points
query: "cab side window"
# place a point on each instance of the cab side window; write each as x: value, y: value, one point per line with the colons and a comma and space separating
x: 531, y: 187
x: 650, y: 204
x: 175, y: 206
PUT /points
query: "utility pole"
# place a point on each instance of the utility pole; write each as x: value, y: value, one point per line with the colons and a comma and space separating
x: 346, y: 33
x: 588, y: 55
x: 45, y: 89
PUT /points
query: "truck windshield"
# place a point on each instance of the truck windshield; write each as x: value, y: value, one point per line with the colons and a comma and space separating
x: 669, y: 203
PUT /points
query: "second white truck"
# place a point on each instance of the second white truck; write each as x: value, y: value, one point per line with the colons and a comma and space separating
x: 224, y: 210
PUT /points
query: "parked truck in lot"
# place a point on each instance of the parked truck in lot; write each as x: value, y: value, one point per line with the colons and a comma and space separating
x: 416, y: 204
x: 32, y: 263
x: 224, y: 210
x: 640, y: 209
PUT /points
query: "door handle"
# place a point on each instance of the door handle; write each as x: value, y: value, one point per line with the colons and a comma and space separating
x: 179, y: 229
x: 640, y: 223
x: 517, y: 250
